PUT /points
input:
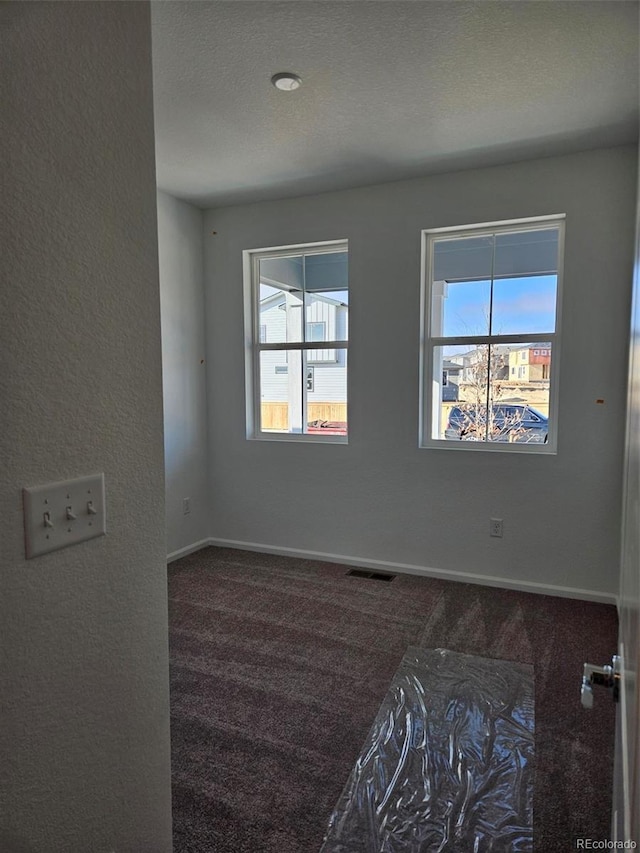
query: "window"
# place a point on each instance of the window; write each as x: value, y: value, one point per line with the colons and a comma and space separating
x: 297, y: 307
x: 316, y: 331
x: 491, y: 301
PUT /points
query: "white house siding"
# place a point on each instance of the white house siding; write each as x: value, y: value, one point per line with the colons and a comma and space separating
x: 329, y: 382
x: 274, y: 387
x: 329, y: 365
x: 321, y: 311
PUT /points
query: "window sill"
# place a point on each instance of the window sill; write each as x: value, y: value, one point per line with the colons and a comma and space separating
x: 490, y: 447
x: 301, y: 438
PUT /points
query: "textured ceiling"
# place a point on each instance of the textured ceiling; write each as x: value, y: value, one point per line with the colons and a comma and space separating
x: 391, y: 89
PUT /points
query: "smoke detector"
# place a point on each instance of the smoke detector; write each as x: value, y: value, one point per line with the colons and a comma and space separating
x: 286, y: 81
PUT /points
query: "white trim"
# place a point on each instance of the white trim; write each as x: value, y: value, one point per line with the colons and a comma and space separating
x: 481, y: 227
x: 300, y: 437
x: 296, y: 250
x: 301, y: 346
x: 624, y: 746
x: 539, y: 448
x: 423, y: 571
x: 475, y: 340
x: 189, y: 549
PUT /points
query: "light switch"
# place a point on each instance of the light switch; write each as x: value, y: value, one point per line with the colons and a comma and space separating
x: 62, y: 514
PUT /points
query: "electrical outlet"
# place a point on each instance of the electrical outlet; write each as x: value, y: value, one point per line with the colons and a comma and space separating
x: 186, y: 506
x: 495, y: 527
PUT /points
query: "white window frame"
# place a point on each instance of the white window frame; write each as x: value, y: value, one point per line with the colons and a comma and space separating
x: 253, y: 345
x: 428, y: 343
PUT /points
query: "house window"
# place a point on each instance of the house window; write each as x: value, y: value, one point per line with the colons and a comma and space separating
x: 297, y: 306
x: 316, y: 331
x: 491, y: 297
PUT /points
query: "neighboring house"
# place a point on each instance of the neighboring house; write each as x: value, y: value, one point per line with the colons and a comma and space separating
x: 475, y: 360
x: 451, y: 371
x: 531, y: 363
x: 325, y: 370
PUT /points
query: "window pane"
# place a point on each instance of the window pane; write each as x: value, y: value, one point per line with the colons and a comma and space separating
x: 512, y: 407
x: 524, y: 253
x: 469, y: 421
x: 448, y: 372
x: 325, y: 294
x: 326, y: 272
x: 461, y: 286
x: 281, y: 391
x: 281, y: 299
x: 295, y: 392
x: 326, y: 297
x: 460, y: 308
x: 463, y: 259
x: 326, y: 395
x: 520, y: 394
x: 525, y: 282
x: 524, y: 305
x: 327, y: 318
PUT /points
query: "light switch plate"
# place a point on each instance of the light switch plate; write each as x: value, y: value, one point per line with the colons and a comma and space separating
x: 61, y: 514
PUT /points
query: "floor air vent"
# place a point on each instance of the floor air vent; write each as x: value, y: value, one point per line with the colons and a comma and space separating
x: 374, y: 576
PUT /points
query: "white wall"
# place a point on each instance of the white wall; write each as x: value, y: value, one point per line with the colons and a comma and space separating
x: 183, y: 371
x: 84, y: 737
x: 380, y: 497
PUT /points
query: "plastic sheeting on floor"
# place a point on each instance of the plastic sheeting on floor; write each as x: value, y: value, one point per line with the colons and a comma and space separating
x: 448, y: 763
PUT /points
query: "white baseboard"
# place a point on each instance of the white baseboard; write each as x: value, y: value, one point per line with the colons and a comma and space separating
x: 407, y: 568
x: 189, y: 549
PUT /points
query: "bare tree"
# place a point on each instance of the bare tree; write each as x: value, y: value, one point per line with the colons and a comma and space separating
x: 483, y: 418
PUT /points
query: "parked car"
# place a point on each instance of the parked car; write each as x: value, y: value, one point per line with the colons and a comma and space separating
x: 508, y: 422
x: 327, y: 427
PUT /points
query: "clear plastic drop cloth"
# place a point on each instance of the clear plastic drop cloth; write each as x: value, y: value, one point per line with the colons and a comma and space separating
x: 448, y: 763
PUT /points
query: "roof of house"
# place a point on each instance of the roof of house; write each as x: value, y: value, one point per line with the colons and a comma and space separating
x: 275, y: 299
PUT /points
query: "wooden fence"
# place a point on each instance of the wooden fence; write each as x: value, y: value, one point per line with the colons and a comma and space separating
x: 275, y: 416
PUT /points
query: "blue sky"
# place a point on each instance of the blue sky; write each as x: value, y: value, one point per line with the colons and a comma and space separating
x: 520, y: 306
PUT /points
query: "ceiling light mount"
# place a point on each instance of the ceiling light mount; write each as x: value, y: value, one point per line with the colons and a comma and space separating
x: 286, y: 81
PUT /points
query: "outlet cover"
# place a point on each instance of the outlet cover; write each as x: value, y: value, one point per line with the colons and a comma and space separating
x: 61, y: 514
x: 495, y: 527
